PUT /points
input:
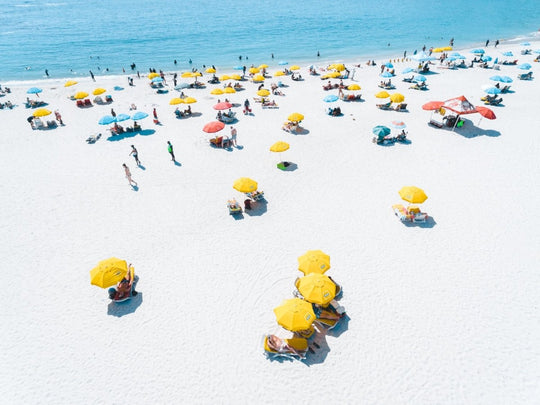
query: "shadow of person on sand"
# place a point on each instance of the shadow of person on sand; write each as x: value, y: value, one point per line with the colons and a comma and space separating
x: 124, y: 135
x: 429, y: 223
x: 119, y: 309
x: 318, y: 350
x: 287, y: 166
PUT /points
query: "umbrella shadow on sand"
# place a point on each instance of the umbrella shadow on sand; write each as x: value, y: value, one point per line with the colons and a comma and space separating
x: 124, y: 135
x: 287, y: 166
x: 472, y: 131
x: 258, y: 208
x: 119, y: 309
x: 429, y: 223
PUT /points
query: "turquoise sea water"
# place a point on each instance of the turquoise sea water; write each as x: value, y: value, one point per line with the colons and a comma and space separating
x: 71, y: 37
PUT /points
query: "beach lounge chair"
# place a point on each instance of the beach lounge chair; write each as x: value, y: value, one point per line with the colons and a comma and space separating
x: 38, y: 124
x: 386, y: 106
x: 525, y: 76
x: 234, y: 207
x: 410, y: 214
x: 300, y: 346
x: 108, y: 99
x: 401, y: 107
x: 493, y: 101
x: 87, y: 102
x: 93, y: 138
x: 80, y: 103
x: 98, y: 100
x: 256, y: 195
x: 270, y: 104
x: 505, y: 89
x: 115, y: 296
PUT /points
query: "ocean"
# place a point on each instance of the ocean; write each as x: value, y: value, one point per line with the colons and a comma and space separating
x: 106, y: 36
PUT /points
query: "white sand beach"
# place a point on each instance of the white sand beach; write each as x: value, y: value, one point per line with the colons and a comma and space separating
x: 445, y: 312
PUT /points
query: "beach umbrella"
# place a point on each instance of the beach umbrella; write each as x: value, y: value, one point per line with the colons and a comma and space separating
x: 139, y: 115
x: 258, y: 78
x: 353, y: 87
x: 98, y: 91
x: 537, y: 51
x: 245, y: 185
x: 524, y: 66
x: 491, y: 89
x: 196, y: 74
x: 283, y: 62
x: 496, y: 78
x: 506, y: 79
x: 398, y: 124
x: 279, y: 73
x: 217, y: 91
x: 330, y: 98
x: 224, y: 105
x: 459, y: 105
x: 279, y: 146
x: 295, y: 117
x: 389, y: 65
x: 263, y: 92
x: 157, y: 80
x: 153, y: 75
x: 486, y: 58
x: 397, y: 98
x: 478, y: 51
x: 213, y: 127
x: 70, y: 83
x: 433, y: 105
x: 263, y: 66
x: 190, y: 100
x: 80, y: 95
x: 176, y: 101
x: 210, y: 70
x: 181, y: 86
x: 254, y: 70
x: 382, y: 94
x: 295, y: 67
x: 386, y: 73
x: 340, y: 67
x: 422, y: 57
x: 317, y: 288
x: 224, y: 77
x: 238, y: 67
x: 413, y: 195
x: 236, y: 76
x: 107, y: 120
x: 486, y: 113
x: 419, y: 78
x: 381, y: 130
x: 186, y: 75
x: 122, y: 117
x: 33, y: 90
x: 508, y: 53
x: 314, y: 261
x: 407, y: 70
x: 108, y: 272
x: 295, y: 314
x: 229, y: 90
x: 41, y: 112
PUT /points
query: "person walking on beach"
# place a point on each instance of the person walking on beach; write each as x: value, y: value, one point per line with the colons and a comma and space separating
x: 92, y: 76
x: 58, y: 117
x: 135, y: 155
x: 112, y: 112
x: 171, y: 151
x: 47, y: 72
x: 128, y: 175
x: 496, y: 43
x: 233, y: 136
x: 487, y: 42
x: 155, y: 114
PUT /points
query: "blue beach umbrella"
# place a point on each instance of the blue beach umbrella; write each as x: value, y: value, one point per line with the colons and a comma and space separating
x: 419, y: 78
x: 537, y: 51
x: 478, y: 51
x: 496, y: 78
x: 389, y: 65
x: 491, y: 90
x: 34, y: 90
x: 182, y: 85
x: 122, y: 117
x: 386, y: 73
x: 157, y: 80
x: 486, y: 58
x: 238, y: 67
x: 524, y: 66
x: 107, y: 120
x: 139, y: 115
x: 330, y: 98
x: 283, y: 62
x: 508, y: 53
x: 407, y: 70
x: 381, y: 130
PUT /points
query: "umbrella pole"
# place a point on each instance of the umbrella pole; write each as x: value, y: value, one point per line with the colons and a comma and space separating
x: 455, y: 123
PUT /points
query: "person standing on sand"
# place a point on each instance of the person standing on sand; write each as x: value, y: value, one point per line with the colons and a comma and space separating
x: 171, y: 151
x: 112, y: 112
x: 128, y: 175
x: 233, y: 136
x: 135, y: 155
x: 92, y: 76
x: 487, y: 42
x: 155, y: 114
x: 496, y: 43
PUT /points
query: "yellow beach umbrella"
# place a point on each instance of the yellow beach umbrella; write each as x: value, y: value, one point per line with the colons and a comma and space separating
x: 196, y: 74
x: 236, y: 76
x: 279, y: 146
x: 41, y: 112
x: 98, y: 91
x: 331, y: 75
x: 314, y: 261
x: 210, y: 70
x: 245, y: 185
x: 279, y: 73
x: 295, y: 314
x: 263, y: 66
x: 263, y: 92
x: 254, y: 70
x: 80, y: 95
x: 216, y: 91
x: 108, y: 272
x: 397, y: 98
x: 337, y: 66
x: 258, y: 78
x: 70, y: 83
x: 229, y: 90
x: 354, y: 87
x: 190, y: 100
x: 187, y: 74
x: 413, y: 194
x: 224, y: 77
x: 317, y: 288
x: 295, y: 67
x: 153, y: 75
x: 382, y: 94
x: 295, y: 117
x: 175, y: 101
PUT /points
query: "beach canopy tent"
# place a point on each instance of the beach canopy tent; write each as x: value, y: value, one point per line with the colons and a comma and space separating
x: 459, y: 105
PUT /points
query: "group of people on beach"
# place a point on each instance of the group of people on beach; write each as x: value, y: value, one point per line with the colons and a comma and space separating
x: 135, y: 153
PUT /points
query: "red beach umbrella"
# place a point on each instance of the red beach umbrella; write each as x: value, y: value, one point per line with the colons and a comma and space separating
x: 214, y: 126
x: 432, y: 105
x: 459, y: 105
x: 486, y: 113
x: 224, y: 105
